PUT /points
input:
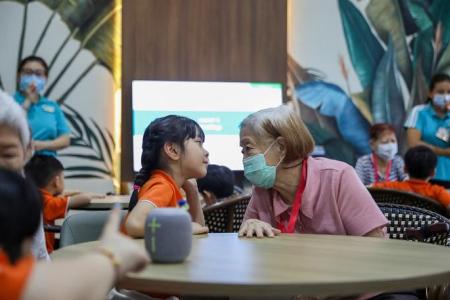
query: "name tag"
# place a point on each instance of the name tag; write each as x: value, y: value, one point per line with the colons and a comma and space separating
x: 443, y: 134
x: 48, y: 108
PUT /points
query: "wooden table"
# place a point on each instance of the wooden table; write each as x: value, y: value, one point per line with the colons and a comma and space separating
x: 319, y: 265
x: 106, y: 203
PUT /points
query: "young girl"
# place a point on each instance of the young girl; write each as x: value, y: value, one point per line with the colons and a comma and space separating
x: 172, y: 157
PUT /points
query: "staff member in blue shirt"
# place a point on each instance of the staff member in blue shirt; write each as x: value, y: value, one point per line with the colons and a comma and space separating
x: 45, y: 117
x: 429, y: 124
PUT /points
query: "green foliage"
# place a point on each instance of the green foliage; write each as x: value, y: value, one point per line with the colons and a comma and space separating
x: 387, y: 98
x: 416, y: 33
x: 385, y: 17
x: 364, y: 48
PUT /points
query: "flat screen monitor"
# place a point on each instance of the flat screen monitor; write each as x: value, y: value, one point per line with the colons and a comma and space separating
x: 218, y: 107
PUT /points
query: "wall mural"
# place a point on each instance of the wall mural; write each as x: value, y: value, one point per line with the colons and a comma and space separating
x: 383, y: 54
x: 76, y: 38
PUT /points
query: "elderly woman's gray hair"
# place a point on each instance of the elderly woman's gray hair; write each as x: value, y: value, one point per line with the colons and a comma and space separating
x: 14, y: 117
x: 268, y: 124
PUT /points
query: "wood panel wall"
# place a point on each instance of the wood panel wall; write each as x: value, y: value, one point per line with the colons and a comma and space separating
x: 214, y: 40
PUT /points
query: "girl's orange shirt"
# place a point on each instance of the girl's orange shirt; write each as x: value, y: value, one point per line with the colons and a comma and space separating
x: 161, y: 190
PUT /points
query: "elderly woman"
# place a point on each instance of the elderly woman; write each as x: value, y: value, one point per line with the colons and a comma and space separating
x: 46, y: 119
x: 297, y: 193
x: 294, y: 192
x: 383, y: 164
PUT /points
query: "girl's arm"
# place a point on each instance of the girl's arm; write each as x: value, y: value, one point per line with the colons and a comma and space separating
x: 195, y: 207
x: 135, y: 222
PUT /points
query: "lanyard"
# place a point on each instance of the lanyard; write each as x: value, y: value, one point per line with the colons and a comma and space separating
x: 375, y: 167
x: 297, y: 201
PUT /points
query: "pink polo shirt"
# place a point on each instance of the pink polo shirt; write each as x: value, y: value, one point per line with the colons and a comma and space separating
x: 334, y: 202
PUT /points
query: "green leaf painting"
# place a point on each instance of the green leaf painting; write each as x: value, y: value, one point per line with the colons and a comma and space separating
x: 386, y: 18
x: 364, y: 49
x: 440, y: 12
x: 418, y: 12
x: 387, y: 99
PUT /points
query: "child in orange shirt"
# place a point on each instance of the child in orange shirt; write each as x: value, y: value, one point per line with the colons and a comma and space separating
x: 420, y: 164
x: 172, y: 157
x: 47, y: 173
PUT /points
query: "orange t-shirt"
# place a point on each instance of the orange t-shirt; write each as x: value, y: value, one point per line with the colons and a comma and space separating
x: 421, y: 187
x: 14, y: 277
x: 54, y: 208
x: 161, y: 190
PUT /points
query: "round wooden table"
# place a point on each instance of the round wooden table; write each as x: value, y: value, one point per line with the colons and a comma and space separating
x: 106, y: 203
x: 319, y: 265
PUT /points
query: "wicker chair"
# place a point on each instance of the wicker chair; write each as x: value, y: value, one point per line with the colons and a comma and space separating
x: 416, y: 224
x: 226, y: 216
x: 381, y: 195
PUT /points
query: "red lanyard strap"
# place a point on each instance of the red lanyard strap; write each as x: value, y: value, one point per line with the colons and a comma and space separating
x: 297, y: 201
x: 375, y: 168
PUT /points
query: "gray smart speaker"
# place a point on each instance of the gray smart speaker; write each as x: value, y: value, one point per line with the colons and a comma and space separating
x: 168, y: 235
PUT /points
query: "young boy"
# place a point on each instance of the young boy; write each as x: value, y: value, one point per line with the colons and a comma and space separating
x: 420, y: 164
x: 47, y: 173
x: 216, y: 185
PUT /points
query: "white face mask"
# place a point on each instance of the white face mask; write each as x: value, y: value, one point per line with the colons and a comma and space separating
x: 387, y: 151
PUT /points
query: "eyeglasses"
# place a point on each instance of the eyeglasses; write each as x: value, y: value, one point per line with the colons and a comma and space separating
x: 27, y: 71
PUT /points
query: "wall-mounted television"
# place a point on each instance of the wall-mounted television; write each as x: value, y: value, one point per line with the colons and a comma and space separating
x: 218, y: 107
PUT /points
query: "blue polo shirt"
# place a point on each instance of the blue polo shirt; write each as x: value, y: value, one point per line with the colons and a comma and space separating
x: 46, y: 120
x: 428, y: 123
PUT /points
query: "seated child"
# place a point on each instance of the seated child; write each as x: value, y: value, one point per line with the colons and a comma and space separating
x: 216, y: 185
x: 22, y: 277
x: 420, y: 165
x: 172, y: 156
x: 47, y: 173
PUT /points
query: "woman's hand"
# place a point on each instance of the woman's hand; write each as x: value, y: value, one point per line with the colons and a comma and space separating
x: 259, y: 228
x: 31, y: 96
x: 199, y: 229
x: 130, y: 255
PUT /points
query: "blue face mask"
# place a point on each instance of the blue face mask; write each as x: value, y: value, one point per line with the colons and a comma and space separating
x: 38, y: 81
x: 441, y: 100
x: 258, y: 172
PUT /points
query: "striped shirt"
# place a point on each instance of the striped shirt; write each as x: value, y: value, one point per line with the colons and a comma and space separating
x: 366, y: 171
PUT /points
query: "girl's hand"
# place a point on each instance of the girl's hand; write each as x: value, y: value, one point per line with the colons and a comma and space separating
x: 190, y: 186
x: 199, y: 229
x: 254, y: 226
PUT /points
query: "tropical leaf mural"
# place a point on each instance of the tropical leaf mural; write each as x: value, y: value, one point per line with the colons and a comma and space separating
x: 90, y: 25
x: 96, y: 147
x: 394, y: 47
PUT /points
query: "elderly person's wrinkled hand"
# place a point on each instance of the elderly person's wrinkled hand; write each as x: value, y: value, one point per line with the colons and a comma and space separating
x: 252, y: 227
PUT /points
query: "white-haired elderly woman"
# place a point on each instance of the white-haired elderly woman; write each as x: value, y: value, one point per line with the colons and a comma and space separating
x: 16, y: 150
x: 296, y: 193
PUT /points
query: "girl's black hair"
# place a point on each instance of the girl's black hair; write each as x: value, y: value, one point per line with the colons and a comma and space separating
x: 27, y: 59
x: 168, y: 129
x: 20, y: 213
